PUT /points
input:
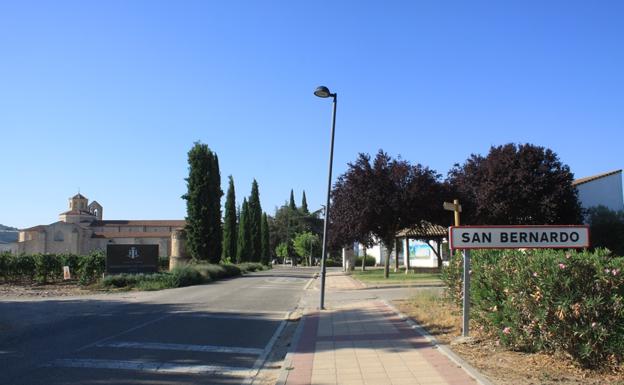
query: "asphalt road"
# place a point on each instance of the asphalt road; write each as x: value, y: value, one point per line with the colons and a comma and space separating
x: 220, y: 333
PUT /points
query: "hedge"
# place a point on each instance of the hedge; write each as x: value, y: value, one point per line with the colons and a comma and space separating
x: 548, y: 300
x: 49, y: 267
x: 370, y: 261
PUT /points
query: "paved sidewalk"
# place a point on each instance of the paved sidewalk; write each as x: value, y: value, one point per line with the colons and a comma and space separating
x: 366, y: 343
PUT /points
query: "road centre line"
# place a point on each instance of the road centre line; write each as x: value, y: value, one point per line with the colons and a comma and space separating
x: 145, y: 366
x: 182, y: 347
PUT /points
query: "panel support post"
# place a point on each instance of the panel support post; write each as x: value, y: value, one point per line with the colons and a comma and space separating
x: 466, y: 299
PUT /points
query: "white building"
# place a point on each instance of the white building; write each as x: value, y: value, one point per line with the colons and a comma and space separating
x: 603, y: 189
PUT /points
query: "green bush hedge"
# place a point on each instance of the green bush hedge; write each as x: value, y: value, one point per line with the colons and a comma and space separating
x: 180, y: 276
x: 548, y: 300
x: 49, y: 267
x: 370, y: 261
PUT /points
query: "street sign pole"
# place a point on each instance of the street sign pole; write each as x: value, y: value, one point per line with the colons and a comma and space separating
x: 466, y: 299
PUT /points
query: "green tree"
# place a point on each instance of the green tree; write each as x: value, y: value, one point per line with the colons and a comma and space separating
x: 291, y: 203
x: 306, y: 244
x: 230, y: 237
x: 203, y: 204
x: 255, y: 223
x: 243, y: 249
x: 607, y: 229
x: 282, y: 250
x: 266, y: 251
x: 304, y: 204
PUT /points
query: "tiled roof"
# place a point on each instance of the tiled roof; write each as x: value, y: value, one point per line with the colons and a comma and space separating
x: 134, y: 234
x: 424, y: 230
x: 76, y: 212
x: 169, y: 223
x: 594, y: 177
x: 35, y: 228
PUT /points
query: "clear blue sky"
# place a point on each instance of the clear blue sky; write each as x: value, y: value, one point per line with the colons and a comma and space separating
x: 108, y: 96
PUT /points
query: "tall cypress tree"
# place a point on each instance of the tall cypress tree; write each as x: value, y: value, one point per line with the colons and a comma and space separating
x: 215, y: 245
x: 255, y: 223
x: 304, y: 204
x: 203, y: 204
x: 292, y: 204
x: 244, y: 242
x: 230, y: 238
x: 266, y: 252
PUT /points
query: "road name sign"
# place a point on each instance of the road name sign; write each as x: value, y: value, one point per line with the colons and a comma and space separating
x: 517, y: 237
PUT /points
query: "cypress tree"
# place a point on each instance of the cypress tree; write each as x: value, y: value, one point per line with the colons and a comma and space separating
x: 203, y: 204
x: 292, y: 204
x: 255, y: 223
x: 215, y: 244
x: 304, y: 204
x: 266, y: 253
x: 230, y: 238
x: 243, y: 247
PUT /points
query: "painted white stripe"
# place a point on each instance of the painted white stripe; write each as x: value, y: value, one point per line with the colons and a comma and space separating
x: 158, y: 367
x: 267, y: 350
x: 182, y: 347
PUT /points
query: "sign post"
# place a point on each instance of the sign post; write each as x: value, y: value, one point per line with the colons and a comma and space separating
x: 466, y: 238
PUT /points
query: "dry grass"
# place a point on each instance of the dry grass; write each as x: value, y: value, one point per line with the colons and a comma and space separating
x: 502, y: 367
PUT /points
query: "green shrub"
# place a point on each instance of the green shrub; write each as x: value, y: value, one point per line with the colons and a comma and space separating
x: 24, y: 267
x: 163, y: 263
x: 7, y: 266
x: 370, y: 261
x: 47, y: 266
x: 121, y: 280
x: 250, y: 267
x: 232, y: 270
x: 548, y: 300
x: 91, y: 267
x: 72, y: 261
x: 337, y: 263
x: 186, y: 275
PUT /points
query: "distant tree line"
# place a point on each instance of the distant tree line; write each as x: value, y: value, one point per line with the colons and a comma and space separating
x: 513, y: 184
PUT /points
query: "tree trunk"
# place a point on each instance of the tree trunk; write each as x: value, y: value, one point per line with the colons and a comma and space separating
x: 364, y: 260
x: 396, y: 255
x: 386, y: 262
x: 407, y: 260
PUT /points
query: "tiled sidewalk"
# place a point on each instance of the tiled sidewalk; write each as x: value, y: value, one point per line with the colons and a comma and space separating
x: 367, y: 343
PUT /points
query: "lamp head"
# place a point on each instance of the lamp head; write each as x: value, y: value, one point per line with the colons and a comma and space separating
x: 322, y: 92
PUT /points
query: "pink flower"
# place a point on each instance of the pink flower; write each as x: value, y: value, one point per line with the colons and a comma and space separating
x: 594, y: 324
x: 507, y: 330
x: 535, y: 274
x: 615, y: 271
x: 607, y: 271
x: 562, y: 266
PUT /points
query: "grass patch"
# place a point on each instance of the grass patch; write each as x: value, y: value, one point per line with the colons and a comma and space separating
x: 377, y: 276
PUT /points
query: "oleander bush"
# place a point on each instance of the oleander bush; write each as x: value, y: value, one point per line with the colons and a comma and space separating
x: 548, y: 300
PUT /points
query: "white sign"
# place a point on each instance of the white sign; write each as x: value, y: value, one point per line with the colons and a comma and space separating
x: 517, y: 237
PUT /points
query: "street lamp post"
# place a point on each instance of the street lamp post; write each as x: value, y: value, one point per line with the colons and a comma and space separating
x: 323, y: 92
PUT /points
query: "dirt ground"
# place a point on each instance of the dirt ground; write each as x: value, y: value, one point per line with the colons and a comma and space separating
x: 500, y: 366
x: 25, y: 290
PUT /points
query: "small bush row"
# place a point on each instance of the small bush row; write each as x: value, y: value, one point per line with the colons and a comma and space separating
x: 49, y: 267
x: 548, y: 300
x: 370, y: 261
x: 180, y: 276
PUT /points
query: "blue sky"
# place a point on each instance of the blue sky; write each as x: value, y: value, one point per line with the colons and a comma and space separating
x: 109, y: 96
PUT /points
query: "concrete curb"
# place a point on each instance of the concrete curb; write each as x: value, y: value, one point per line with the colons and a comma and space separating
x: 283, y: 377
x: 472, y: 371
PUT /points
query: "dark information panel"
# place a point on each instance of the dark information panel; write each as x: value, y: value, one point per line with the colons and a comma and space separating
x: 131, y: 259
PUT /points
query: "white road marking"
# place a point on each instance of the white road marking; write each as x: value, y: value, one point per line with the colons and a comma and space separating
x: 247, y: 316
x: 267, y: 350
x: 182, y: 347
x: 145, y: 366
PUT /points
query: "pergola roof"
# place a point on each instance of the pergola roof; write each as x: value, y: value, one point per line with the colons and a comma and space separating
x: 424, y: 230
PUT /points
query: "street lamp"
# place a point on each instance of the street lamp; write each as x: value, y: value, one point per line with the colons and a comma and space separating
x: 323, y: 92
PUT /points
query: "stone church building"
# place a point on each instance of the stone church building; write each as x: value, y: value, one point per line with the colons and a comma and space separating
x: 83, y: 229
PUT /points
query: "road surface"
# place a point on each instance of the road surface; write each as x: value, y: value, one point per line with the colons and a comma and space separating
x: 219, y: 333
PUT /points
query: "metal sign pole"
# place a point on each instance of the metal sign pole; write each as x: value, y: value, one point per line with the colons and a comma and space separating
x: 466, y: 299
